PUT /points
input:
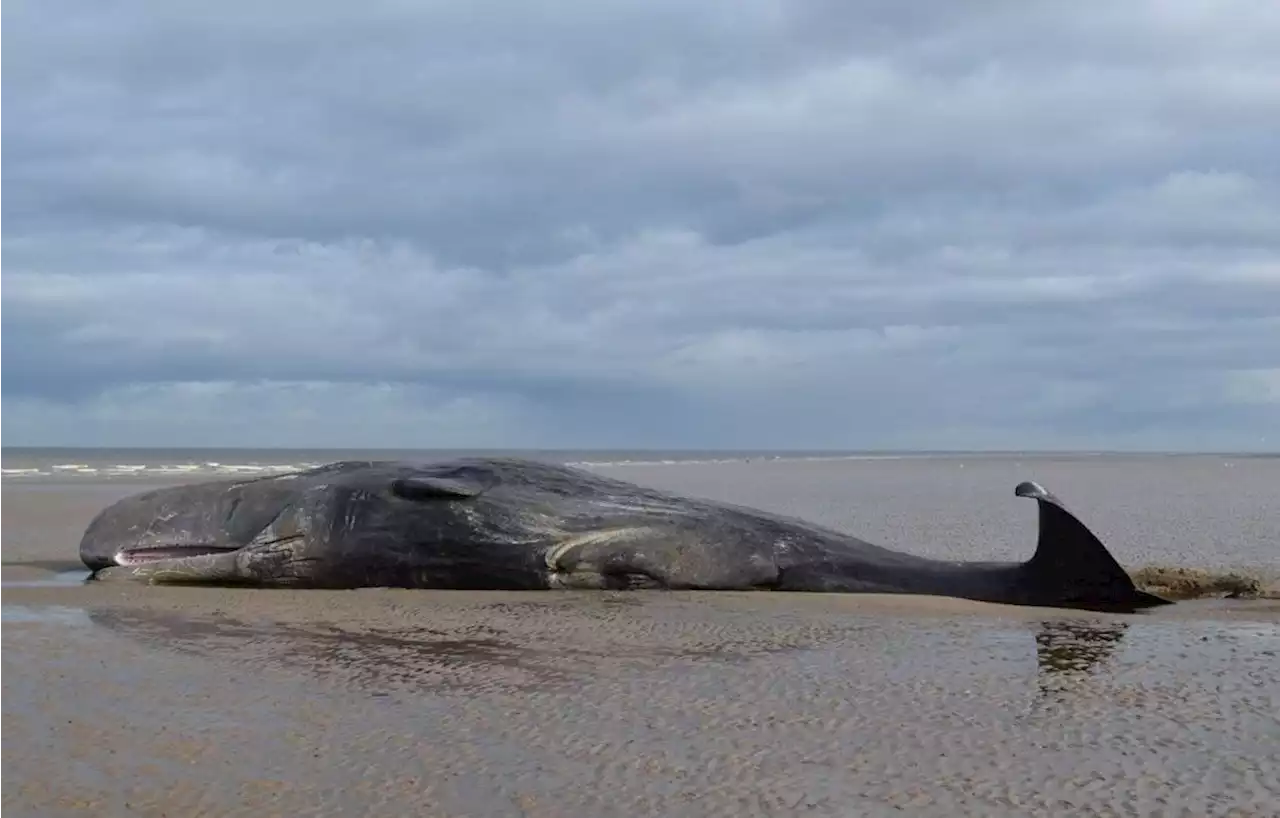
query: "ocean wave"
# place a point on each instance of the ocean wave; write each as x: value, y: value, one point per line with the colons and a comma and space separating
x: 143, y: 471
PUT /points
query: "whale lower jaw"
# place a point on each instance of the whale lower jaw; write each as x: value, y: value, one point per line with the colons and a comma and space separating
x: 178, y: 565
x: 142, y: 556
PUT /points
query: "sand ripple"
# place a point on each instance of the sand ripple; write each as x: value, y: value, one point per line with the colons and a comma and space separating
x: 641, y: 704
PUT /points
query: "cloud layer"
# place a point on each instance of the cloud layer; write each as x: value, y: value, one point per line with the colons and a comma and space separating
x: 724, y: 224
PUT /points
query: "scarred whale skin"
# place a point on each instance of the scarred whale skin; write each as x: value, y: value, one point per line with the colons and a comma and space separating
x: 509, y: 523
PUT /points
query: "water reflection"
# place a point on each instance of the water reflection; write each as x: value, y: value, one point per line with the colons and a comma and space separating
x: 1071, y: 660
x: 384, y: 660
x: 379, y: 660
x: 1066, y: 647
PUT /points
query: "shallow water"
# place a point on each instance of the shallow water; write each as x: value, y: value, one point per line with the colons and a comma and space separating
x: 50, y: 614
x: 59, y: 579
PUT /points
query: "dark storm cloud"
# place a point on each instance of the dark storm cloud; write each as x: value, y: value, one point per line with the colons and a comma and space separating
x: 727, y: 223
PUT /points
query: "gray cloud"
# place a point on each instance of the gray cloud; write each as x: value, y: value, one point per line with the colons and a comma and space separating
x: 724, y: 224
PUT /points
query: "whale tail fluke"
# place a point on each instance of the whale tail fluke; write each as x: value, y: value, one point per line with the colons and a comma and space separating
x: 1071, y: 567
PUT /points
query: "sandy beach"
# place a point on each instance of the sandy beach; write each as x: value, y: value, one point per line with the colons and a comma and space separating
x: 123, y: 699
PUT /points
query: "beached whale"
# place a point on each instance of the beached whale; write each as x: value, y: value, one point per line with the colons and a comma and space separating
x: 507, y: 523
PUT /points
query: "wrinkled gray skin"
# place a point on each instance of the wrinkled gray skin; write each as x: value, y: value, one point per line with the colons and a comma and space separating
x: 501, y: 523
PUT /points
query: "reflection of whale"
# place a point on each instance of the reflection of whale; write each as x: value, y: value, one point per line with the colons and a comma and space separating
x: 387, y: 657
x: 415, y: 658
x: 1070, y: 657
x: 1066, y: 646
x: 376, y: 659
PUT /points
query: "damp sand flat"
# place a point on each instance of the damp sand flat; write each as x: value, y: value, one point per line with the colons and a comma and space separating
x: 128, y: 700
x: 204, y: 702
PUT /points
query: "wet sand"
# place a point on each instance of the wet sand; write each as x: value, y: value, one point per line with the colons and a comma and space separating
x: 130, y: 700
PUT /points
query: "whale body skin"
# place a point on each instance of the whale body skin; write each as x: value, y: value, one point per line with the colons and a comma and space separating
x: 510, y: 523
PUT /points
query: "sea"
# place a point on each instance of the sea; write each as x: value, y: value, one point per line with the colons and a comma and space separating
x: 31, y: 463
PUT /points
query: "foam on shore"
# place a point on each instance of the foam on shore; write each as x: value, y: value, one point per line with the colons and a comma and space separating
x: 145, y: 471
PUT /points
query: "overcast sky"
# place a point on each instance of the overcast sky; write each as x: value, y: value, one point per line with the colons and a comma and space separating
x: 729, y: 223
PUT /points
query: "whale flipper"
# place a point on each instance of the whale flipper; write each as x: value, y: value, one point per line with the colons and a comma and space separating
x: 1072, y: 564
